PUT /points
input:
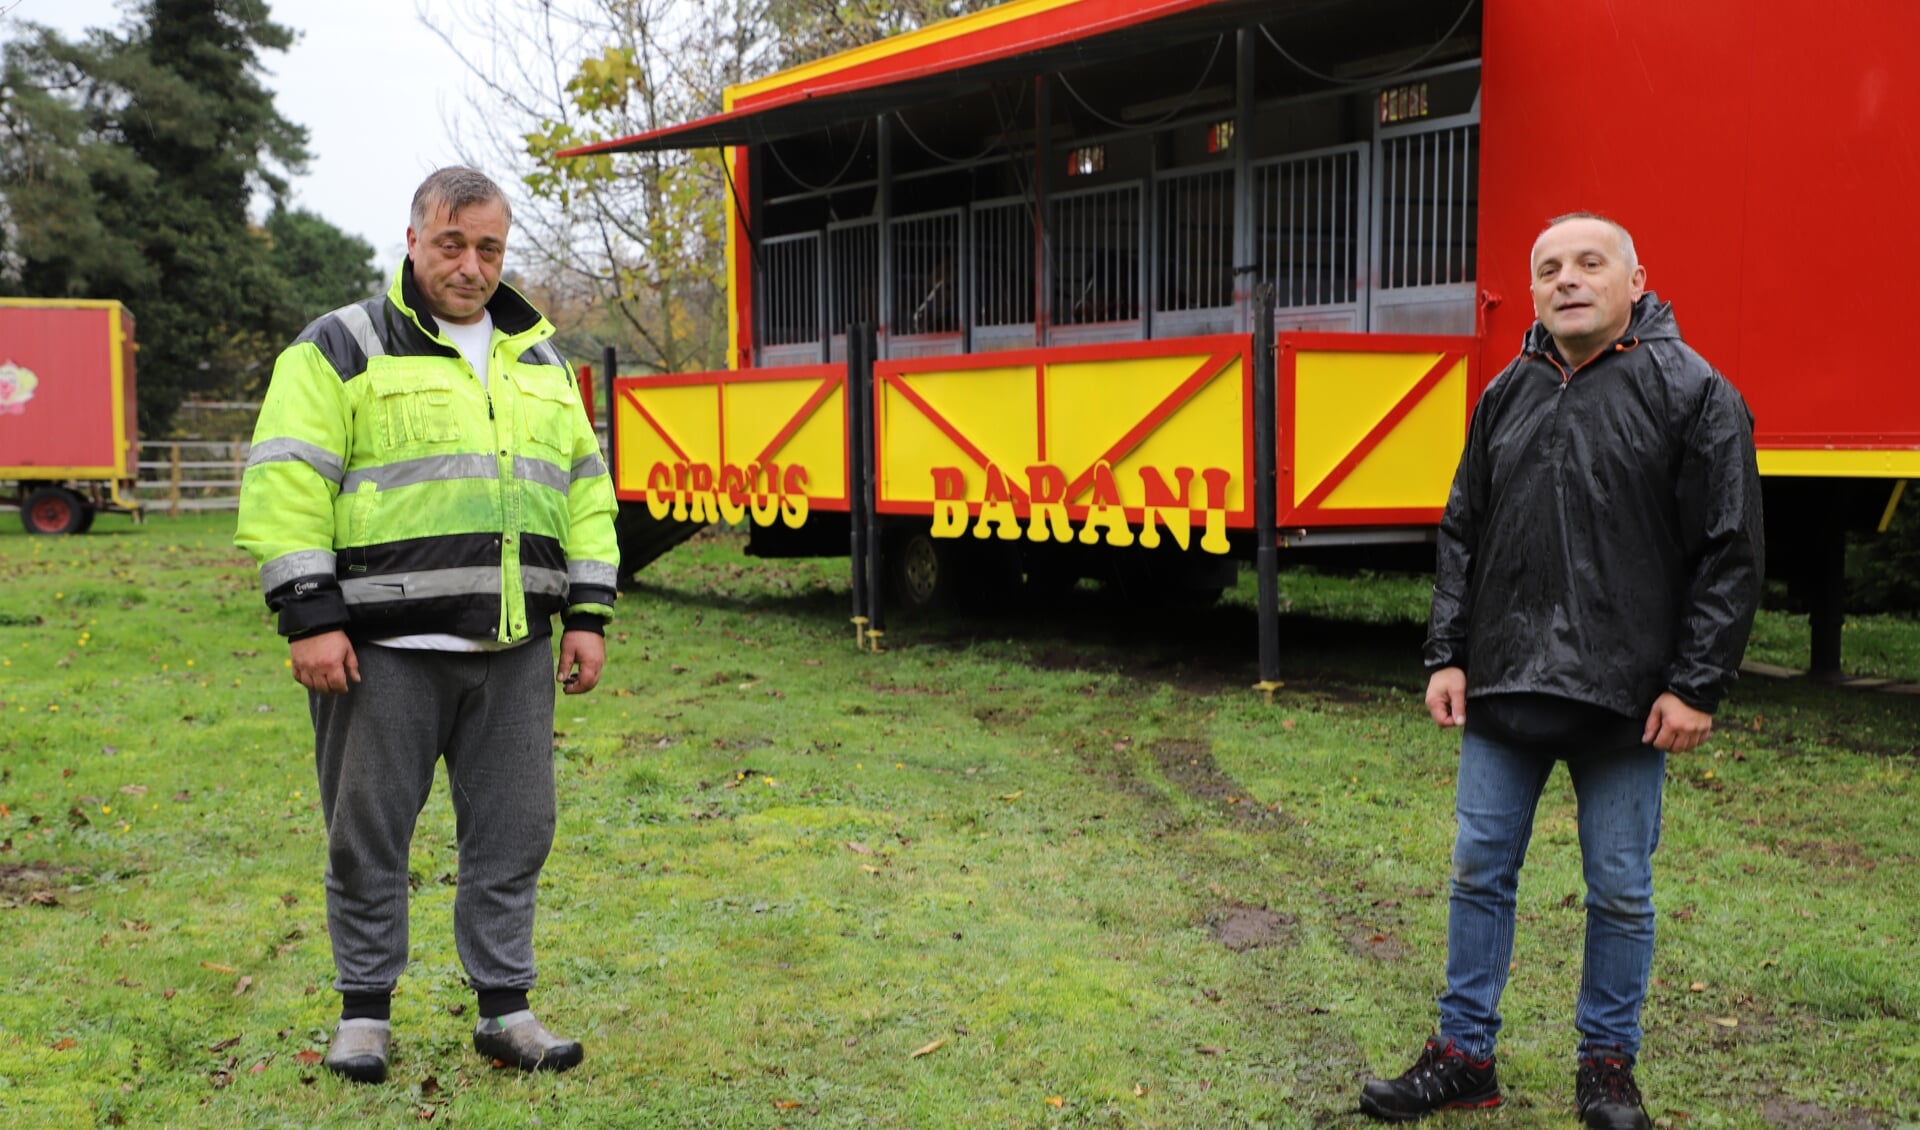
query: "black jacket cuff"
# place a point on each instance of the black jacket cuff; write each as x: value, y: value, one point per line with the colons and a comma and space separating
x: 324, y: 612
x: 584, y: 622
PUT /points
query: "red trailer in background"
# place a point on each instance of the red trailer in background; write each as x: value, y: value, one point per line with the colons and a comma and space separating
x: 68, y: 437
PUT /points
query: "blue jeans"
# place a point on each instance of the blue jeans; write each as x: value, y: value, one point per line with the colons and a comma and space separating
x: 1618, y: 792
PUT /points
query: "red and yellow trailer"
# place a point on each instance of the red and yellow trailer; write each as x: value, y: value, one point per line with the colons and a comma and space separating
x: 68, y: 434
x: 1068, y: 287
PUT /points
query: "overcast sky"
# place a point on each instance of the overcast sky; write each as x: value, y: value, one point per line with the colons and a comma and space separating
x: 368, y: 80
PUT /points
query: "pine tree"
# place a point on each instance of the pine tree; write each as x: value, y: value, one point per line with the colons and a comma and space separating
x: 128, y: 162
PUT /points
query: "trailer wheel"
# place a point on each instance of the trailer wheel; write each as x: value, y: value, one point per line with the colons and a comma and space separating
x: 921, y: 573
x: 53, y: 510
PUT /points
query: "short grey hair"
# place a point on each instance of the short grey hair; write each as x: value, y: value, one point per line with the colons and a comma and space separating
x: 1626, y: 237
x: 455, y: 187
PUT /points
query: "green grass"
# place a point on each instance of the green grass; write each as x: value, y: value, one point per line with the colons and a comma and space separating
x: 785, y: 865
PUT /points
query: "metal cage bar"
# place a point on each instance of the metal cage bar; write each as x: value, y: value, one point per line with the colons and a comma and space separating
x: 1429, y: 199
x: 1096, y: 255
x: 926, y: 273
x: 1002, y: 263
x: 791, y: 291
x: 1193, y: 234
x: 853, y: 274
x: 1309, y: 230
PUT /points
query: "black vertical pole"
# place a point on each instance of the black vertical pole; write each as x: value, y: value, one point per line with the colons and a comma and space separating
x: 859, y: 382
x: 1266, y: 503
x: 608, y: 358
x: 869, y: 488
x: 1826, y: 596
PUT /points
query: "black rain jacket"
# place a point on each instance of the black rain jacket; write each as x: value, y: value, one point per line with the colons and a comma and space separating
x: 1603, y: 539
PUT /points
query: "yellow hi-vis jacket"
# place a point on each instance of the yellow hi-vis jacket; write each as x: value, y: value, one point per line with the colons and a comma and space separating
x: 389, y: 493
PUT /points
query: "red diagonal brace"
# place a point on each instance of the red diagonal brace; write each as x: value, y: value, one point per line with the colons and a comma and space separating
x: 1136, y: 435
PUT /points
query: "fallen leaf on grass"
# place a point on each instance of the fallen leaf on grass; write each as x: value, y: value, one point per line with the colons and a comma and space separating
x: 1015, y: 795
x: 217, y: 967
x: 1211, y: 1051
x: 134, y: 790
x: 1139, y: 1091
x: 260, y: 1067
x: 43, y: 898
x: 858, y: 848
x: 307, y: 1057
x: 786, y: 1104
x: 63, y: 1044
x: 1697, y: 987
x: 928, y: 1049
x: 1726, y: 1021
x: 1056, y: 1101
x: 242, y: 985
x: 869, y: 869
x: 224, y: 1044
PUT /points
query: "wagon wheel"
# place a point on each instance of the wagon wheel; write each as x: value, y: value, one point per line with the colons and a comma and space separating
x: 921, y: 573
x: 53, y: 510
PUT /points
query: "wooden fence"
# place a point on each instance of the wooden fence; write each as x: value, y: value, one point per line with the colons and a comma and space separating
x: 181, y: 475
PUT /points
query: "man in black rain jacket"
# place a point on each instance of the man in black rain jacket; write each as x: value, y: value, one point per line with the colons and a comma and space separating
x: 1600, y: 561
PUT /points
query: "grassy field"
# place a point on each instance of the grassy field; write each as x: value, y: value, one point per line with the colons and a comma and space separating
x: 1011, y: 873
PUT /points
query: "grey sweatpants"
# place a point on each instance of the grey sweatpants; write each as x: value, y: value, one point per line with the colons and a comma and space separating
x: 490, y: 714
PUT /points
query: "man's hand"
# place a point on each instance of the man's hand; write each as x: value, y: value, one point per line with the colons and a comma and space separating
x: 582, y: 654
x: 1447, y: 696
x: 324, y: 664
x: 1674, y: 726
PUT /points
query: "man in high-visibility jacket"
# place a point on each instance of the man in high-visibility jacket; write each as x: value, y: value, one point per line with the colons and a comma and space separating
x: 423, y: 496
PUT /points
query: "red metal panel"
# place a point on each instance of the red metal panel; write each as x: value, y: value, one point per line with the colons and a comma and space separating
x: 67, y: 420
x: 1764, y: 160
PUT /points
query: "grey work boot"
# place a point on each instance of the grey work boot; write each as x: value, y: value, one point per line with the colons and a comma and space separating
x: 359, y: 1050
x: 518, y: 1040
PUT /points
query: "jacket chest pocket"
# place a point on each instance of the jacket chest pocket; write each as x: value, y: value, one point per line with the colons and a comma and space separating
x: 411, y: 409
x: 546, y: 405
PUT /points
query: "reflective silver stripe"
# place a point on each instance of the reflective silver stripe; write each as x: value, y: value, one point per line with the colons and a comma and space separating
x: 359, y: 323
x: 542, y: 353
x: 540, y: 471
x: 284, y: 450
x: 592, y: 467
x: 422, y: 585
x: 592, y: 573
x: 433, y: 468
x: 546, y: 582
x: 292, y: 566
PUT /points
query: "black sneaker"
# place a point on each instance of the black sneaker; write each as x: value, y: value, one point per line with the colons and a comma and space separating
x: 1606, y: 1094
x: 1443, y: 1078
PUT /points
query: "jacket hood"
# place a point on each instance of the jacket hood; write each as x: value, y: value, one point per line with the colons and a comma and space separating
x: 1652, y: 321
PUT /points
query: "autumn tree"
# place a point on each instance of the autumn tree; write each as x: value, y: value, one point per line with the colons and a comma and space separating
x: 637, y: 240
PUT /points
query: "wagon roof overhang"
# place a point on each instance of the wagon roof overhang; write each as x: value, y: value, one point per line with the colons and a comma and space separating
x: 1020, y: 39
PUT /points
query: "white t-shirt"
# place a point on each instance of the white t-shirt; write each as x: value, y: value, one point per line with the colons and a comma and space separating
x: 475, y: 342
